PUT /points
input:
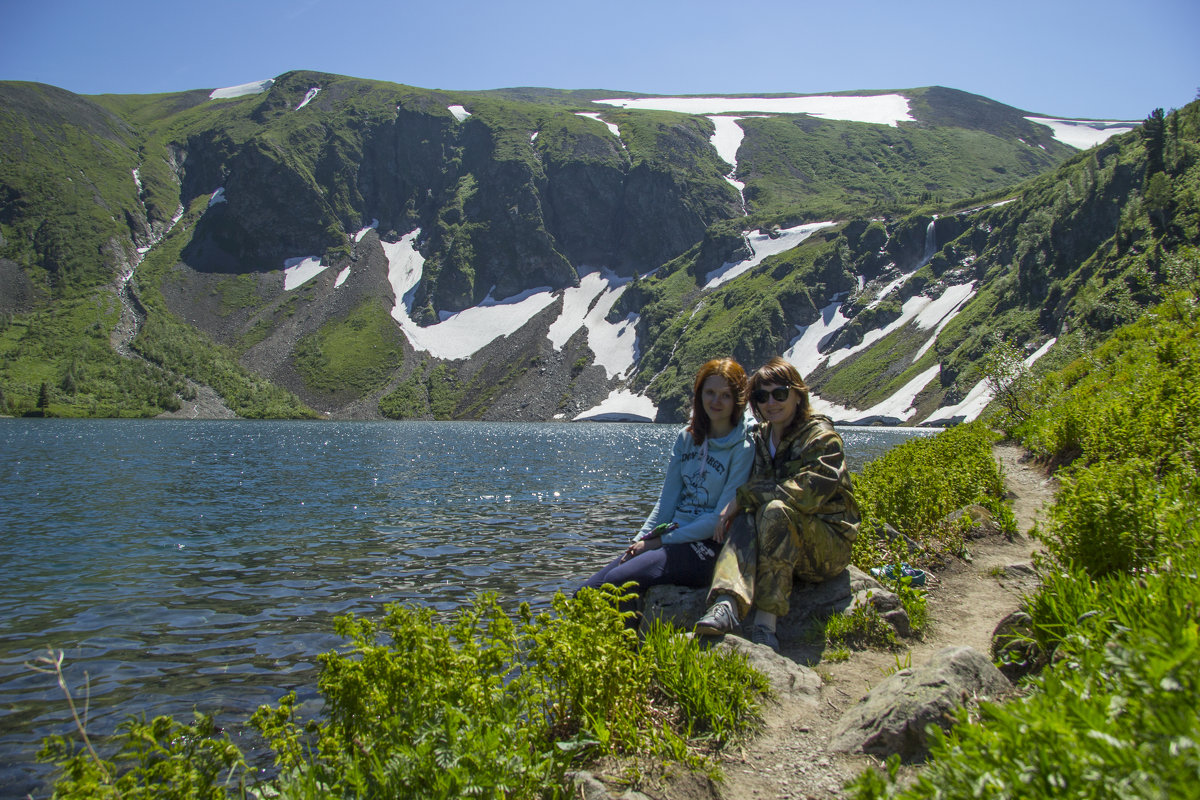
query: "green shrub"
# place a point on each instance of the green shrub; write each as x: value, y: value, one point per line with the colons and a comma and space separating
x: 485, y: 705
x: 1116, y: 517
x: 914, y: 486
x: 165, y: 759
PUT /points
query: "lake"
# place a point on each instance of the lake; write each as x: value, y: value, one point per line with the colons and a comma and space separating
x: 200, y: 564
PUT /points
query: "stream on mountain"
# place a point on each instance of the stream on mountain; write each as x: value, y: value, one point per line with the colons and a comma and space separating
x: 183, y: 564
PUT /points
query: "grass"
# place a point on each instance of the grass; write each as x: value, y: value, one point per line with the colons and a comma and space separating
x: 358, y: 353
x: 838, y: 169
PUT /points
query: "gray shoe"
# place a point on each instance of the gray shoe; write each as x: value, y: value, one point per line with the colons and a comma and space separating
x: 717, y: 621
x: 761, y: 634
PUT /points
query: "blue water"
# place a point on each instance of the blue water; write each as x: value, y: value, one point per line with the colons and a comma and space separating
x: 199, y: 564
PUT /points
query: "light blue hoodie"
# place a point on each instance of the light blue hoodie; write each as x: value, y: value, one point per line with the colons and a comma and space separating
x: 700, y: 481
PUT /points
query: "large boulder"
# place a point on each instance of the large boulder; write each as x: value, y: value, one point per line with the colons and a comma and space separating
x: 809, y: 604
x: 895, y: 717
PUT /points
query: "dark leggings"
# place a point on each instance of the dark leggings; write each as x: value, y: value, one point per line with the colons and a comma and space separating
x: 685, y: 564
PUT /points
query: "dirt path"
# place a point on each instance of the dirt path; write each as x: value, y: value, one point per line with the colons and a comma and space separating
x: 966, y: 601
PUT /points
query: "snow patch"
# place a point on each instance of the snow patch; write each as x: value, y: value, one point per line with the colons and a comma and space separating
x: 979, y: 397
x: 460, y: 113
x: 891, y: 287
x: 586, y: 306
x: 763, y: 245
x: 621, y: 405
x: 460, y: 334
x: 299, y: 271
x: 374, y: 224
x: 805, y: 352
x: 938, y: 314
x: 341, y: 278
x: 882, y: 109
x: 308, y: 97
x: 257, y: 87
x: 951, y: 299
x: 613, y: 128
x: 405, y: 266
x: 919, y: 307
x: 726, y: 139
x: 895, y: 409
x: 1084, y: 133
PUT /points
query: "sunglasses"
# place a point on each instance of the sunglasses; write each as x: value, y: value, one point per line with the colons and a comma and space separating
x: 780, y: 393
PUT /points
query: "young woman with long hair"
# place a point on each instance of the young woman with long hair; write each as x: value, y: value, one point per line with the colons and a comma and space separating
x: 710, y: 460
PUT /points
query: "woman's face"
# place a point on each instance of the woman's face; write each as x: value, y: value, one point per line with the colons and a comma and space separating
x: 717, y: 398
x: 771, y: 408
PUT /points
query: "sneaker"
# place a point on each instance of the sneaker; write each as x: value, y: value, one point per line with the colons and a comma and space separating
x: 761, y: 634
x: 718, y: 620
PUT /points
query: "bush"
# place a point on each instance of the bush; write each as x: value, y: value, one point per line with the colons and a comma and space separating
x: 1116, y: 517
x: 914, y: 486
x: 486, y: 705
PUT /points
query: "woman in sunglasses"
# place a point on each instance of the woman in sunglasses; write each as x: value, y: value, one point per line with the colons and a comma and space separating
x: 710, y: 460
x: 795, y: 517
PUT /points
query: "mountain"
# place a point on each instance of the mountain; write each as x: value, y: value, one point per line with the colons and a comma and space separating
x: 323, y: 244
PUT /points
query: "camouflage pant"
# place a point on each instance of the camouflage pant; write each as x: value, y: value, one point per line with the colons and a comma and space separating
x: 762, y: 554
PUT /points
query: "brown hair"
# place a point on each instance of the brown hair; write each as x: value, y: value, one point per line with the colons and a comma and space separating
x: 735, y: 376
x: 779, y: 372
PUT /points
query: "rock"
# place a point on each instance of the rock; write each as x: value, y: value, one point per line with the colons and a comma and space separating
x: 894, y: 716
x: 788, y: 679
x: 891, y: 534
x: 1013, y: 647
x: 975, y: 521
x: 682, y: 606
x: 585, y: 785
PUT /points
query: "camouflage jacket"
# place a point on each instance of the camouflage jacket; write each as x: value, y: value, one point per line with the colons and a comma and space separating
x: 808, y: 473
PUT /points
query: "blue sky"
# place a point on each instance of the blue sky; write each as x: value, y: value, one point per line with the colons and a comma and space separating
x: 1101, y: 59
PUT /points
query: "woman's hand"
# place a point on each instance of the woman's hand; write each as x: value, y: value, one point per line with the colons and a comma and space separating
x: 641, y: 546
x: 728, y: 514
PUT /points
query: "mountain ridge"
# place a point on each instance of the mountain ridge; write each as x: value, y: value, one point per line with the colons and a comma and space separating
x: 504, y: 197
